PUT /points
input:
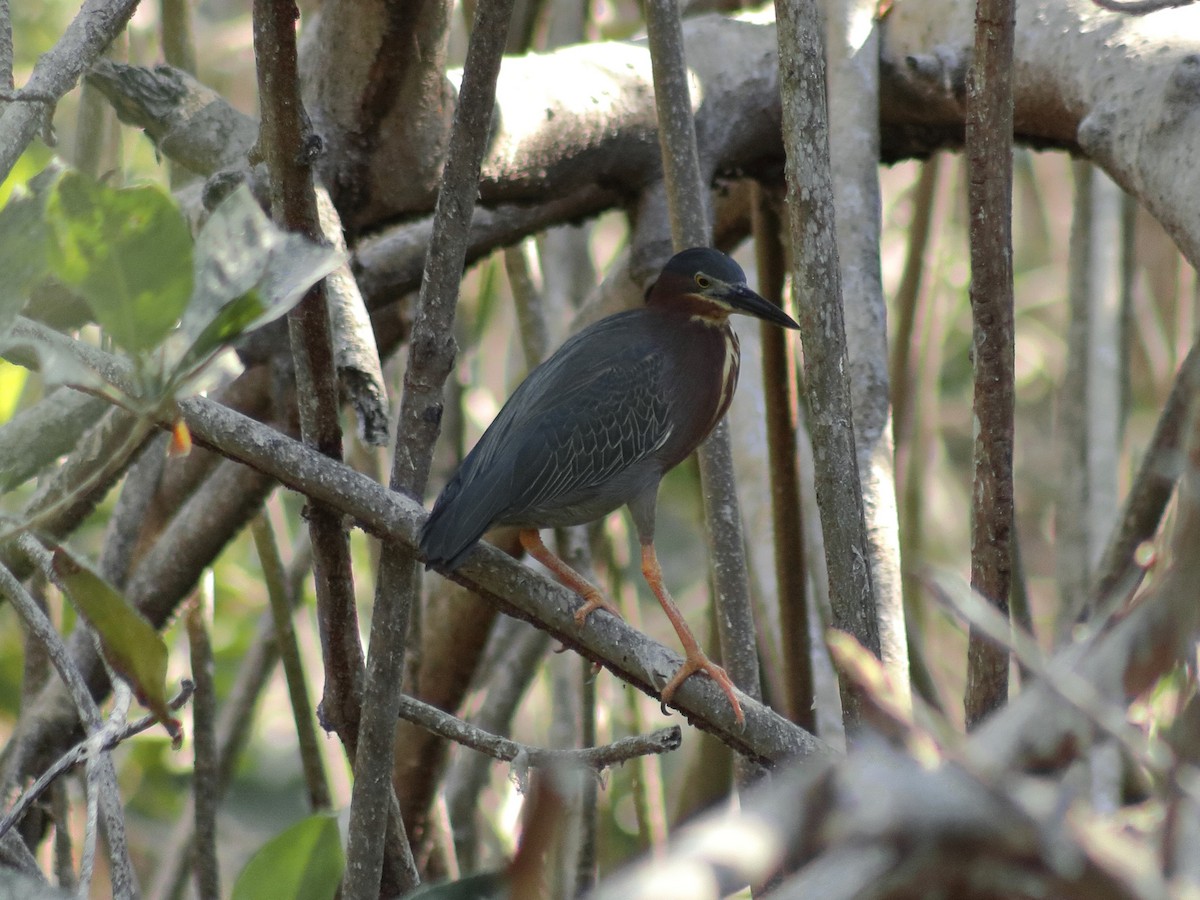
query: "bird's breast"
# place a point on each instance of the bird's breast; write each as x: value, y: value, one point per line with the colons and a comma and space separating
x: 702, y: 382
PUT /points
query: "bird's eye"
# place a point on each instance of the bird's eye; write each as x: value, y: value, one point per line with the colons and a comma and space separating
x: 703, y: 280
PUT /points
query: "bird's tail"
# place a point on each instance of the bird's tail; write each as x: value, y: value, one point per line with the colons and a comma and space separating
x: 452, y: 529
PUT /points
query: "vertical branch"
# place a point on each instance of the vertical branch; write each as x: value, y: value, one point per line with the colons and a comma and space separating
x: 175, y: 34
x: 1070, y: 516
x: 686, y: 195
x: 285, y: 142
x: 179, y: 50
x: 902, y: 376
x: 6, y: 49
x: 906, y: 379
x: 1092, y: 409
x: 989, y: 166
x: 282, y: 602
x: 1106, y: 389
x: 204, y: 739
x: 779, y: 390
x: 431, y: 356
x: 817, y: 285
x: 852, y: 51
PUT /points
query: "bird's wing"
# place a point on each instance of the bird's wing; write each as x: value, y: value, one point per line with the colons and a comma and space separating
x: 575, y: 422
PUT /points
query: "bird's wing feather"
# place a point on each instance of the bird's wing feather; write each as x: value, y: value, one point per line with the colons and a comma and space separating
x: 573, y: 423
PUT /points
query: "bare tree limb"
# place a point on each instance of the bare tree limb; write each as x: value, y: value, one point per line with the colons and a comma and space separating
x: 817, y: 284
x: 780, y: 390
x: 852, y: 39
x: 282, y: 602
x: 205, y: 793
x: 285, y: 142
x: 989, y: 167
x: 596, y: 758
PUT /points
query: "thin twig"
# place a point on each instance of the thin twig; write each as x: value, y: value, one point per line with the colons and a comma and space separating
x: 64, y: 848
x: 911, y: 370
x: 105, y: 776
x: 596, y: 758
x: 76, y: 755
x: 293, y: 667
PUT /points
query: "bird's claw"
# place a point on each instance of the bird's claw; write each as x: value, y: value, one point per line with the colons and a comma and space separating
x: 692, y: 665
x: 591, y: 604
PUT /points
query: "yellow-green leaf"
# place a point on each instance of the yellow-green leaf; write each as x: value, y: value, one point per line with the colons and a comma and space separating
x: 304, y: 862
x: 131, y: 645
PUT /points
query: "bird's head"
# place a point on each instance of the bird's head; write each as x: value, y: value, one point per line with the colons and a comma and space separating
x: 711, y: 286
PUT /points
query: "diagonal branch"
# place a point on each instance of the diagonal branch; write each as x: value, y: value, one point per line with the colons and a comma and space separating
x: 518, y: 591
x: 56, y: 72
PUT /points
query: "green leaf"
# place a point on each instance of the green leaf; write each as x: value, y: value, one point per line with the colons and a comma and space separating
x: 23, y: 237
x: 128, y: 252
x: 131, y: 645
x: 481, y: 886
x: 30, y: 164
x: 304, y: 862
x: 248, y: 272
x: 12, y: 383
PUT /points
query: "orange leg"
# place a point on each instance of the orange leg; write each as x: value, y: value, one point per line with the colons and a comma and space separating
x: 531, y: 540
x: 695, y: 659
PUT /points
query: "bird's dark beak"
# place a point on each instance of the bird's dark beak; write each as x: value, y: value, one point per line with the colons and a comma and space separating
x: 744, y: 300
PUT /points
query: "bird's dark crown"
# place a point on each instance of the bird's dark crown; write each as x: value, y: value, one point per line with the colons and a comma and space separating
x: 698, y: 281
x: 708, y: 286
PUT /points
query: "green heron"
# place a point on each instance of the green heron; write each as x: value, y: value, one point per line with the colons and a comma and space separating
x: 597, y: 425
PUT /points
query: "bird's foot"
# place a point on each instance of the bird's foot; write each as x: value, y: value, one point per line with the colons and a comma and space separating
x: 594, y: 600
x: 698, y: 662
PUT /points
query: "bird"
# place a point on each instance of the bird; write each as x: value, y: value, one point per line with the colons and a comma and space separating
x: 595, y: 427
